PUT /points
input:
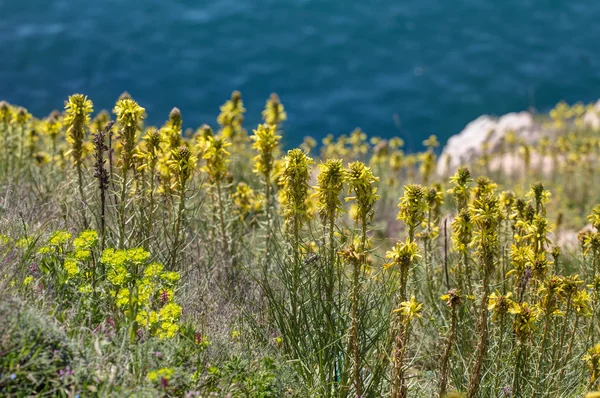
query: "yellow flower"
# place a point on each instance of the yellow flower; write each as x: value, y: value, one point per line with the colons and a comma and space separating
x: 59, y: 238
x: 266, y: 142
x: 217, y: 157
x: 86, y: 240
x: 409, y: 309
x: 592, y: 362
x: 295, y: 178
x: 28, y: 280
x: 153, y: 270
x: 170, y: 312
x: 274, y: 112
x: 500, y: 304
x: 361, y: 182
x: 170, y: 277
x: 162, y: 373
x: 71, y: 267
x: 123, y: 297
x: 77, y: 119
x: 329, y: 185
x: 403, y: 254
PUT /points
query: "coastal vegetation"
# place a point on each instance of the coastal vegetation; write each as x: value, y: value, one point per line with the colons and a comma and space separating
x: 144, y: 260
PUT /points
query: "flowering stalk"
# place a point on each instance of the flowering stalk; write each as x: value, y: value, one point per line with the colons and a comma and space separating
x: 499, y: 304
x: 101, y: 174
x: 149, y: 156
x: 453, y: 300
x: 266, y: 141
x: 486, y: 216
x: 217, y: 157
x: 295, y: 178
x: 525, y: 317
x: 78, y: 109
x: 182, y: 164
x: 403, y: 256
x: 129, y: 116
x: 361, y: 182
x: 407, y: 310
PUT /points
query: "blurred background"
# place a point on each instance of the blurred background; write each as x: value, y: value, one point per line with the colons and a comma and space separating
x: 406, y: 68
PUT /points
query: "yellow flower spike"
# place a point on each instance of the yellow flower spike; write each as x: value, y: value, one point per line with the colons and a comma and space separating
x: 592, y: 362
x: 461, y: 191
x: 183, y: 164
x: 274, y: 113
x: 462, y: 228
x: 413, y: 206
x: 244, y: 200
x: 266, y: 142
x: 361, y: 182
x: 582, y: 303
x: 129, y: 116
x: 217, y: 158
x: 77, y: 118
x: 594, y: 218
x: 232, y: 117
x: 295, y: 178
x: 330, y: 183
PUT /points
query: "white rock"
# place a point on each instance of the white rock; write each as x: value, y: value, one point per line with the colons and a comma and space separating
x: 466, y: 146
x: 592, y: 117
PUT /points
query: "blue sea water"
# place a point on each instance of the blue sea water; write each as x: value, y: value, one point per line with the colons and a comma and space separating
x: 392, y: 67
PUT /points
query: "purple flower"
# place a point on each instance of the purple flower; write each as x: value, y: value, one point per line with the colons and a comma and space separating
x: 66, y: 372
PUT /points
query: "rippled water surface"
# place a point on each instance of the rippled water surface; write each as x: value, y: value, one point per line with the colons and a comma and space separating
x: 435, y: 64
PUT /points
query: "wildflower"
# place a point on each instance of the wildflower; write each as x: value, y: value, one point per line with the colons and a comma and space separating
x: 592, y: 362
x: 246, y: 200
x: 462, y: 187
x: 409, y: 309
x: 123, y: 297
x: 413, y: 206
x: 295, y: 185
x: 78, y: 109
x: 153, y: 270
x: 594, y: 218
x: 403, y: 254
x: 500, y: 304
x: 540, y: 197
x: 361, y: 181
x: 274, y: 113
x: 162, y: 373
x: 453, y: 298
x: 216, y: 157
x: 582, y: 303
x: 66, y: 372
x: 266, y: 142
x: 85, y: 289
x: 130, y: 116
x: 28, y: 280
x: 182, y: 163
x: 525, y: 318
x: 330, y: 182
x: 82, y: 255
x: 24, y: 243
x: 171, y: 132
x: 462, y: 228
x: 86, y: 240
x: 549, y: 291
x: 232, y: 117
x: 71, y: 267
x: 59, y: 238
